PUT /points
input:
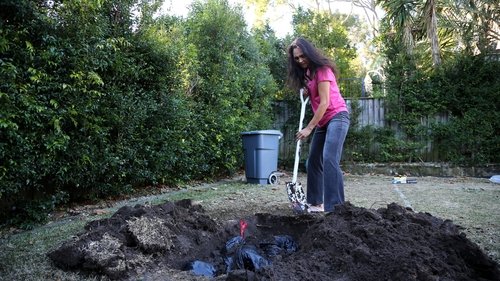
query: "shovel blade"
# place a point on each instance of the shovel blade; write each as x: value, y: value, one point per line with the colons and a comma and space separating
x: 299, y: 208
x: 296, y: 194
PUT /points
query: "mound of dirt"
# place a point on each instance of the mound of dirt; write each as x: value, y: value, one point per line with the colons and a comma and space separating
x: 158, y: 242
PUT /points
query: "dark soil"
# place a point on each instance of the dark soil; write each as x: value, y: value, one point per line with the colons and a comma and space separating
x: 351, y: 243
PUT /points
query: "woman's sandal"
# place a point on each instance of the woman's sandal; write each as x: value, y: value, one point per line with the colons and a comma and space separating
x: 316, y: 208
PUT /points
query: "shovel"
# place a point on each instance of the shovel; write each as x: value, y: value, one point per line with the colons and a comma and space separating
x: 294, y: 189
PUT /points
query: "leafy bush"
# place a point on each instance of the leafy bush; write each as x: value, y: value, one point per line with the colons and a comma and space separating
x: 234, y: 88
x: 378, y: 144
x: 470, y: 89
x: 96, y: 102
x: 466, y: 87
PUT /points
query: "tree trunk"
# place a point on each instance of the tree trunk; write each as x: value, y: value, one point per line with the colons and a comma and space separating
x: 432, y: 32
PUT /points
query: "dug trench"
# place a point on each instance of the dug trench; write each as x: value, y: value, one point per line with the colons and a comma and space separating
x: 351, y: 243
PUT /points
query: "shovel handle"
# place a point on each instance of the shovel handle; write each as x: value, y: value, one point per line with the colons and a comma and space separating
x: 302, y: 107
x: 297, y: 150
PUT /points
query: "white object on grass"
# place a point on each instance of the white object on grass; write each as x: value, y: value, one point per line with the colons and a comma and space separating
x: 495, y: 179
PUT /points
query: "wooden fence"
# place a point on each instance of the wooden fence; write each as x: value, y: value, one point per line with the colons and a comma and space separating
x: 372, y: 113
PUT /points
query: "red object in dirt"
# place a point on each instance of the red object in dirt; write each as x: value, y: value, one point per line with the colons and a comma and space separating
x: 243, y: 227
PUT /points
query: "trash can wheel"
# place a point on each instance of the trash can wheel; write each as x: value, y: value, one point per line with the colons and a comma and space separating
x: 273, y: 178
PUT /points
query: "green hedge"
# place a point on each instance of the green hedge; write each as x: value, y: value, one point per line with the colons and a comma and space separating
x: 469, y: 87
x: 466, y: 87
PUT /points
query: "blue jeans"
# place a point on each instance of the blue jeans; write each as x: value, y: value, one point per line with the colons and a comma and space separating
x: 325, y: 183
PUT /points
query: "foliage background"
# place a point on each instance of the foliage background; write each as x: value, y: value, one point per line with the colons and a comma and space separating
x: 97, y: 101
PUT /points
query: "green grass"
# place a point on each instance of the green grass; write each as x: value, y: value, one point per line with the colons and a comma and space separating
x: 23, y: 256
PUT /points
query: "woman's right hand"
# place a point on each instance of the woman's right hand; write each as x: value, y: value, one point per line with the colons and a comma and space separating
x: 305, y: 92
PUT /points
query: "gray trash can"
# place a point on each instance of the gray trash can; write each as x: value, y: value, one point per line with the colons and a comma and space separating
x: 261, y: 155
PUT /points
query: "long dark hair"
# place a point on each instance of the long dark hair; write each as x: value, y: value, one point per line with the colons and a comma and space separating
x: 296, y: 74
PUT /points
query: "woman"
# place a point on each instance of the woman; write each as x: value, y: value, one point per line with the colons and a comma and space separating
x: 309, y: 69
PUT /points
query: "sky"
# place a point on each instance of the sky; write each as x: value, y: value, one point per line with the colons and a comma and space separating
x: 279, y: 19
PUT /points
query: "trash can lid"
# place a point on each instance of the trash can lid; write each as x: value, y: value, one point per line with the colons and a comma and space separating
x: 263, y: 132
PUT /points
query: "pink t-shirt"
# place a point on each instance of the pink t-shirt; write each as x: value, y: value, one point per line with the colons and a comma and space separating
x: 337, y: 103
